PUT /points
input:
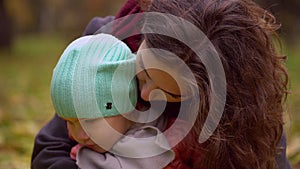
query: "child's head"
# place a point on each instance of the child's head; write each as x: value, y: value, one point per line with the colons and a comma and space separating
x: 94, y: 79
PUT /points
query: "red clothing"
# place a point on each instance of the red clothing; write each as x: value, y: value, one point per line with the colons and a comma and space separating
x: 128, y: 26
x: 185, y: 156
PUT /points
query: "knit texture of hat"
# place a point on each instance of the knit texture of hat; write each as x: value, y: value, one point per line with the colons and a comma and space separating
x: 94, y: 77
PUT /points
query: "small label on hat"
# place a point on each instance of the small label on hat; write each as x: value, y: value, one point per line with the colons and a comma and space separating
x: 108, y: 105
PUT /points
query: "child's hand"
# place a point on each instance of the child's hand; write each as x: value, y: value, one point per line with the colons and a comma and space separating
x: 74, y: 151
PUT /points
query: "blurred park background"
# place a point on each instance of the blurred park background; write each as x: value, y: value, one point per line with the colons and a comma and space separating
x: 33, y: 34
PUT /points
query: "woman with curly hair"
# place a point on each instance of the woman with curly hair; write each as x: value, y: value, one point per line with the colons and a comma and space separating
x: 256, y: 80
x: 248, y: 131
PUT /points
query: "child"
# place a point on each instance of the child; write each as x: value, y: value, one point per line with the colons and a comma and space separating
x: 93, y: 88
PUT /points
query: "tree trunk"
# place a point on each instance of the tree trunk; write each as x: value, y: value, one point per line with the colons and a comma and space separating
x: 5, y: 27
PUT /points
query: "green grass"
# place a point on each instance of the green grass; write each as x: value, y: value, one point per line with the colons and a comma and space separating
x: 293, y: 105
x: 25, y: 105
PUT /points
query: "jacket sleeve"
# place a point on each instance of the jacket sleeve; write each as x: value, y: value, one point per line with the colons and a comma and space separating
x: 95, y: 24
x: 281, y: 158
x: 52, y: 147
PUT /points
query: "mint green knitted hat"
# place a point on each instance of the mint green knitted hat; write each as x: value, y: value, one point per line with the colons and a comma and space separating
x: 95, y: 77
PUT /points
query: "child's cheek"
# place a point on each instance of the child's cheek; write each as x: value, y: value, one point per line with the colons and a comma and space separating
x: 103, y: 134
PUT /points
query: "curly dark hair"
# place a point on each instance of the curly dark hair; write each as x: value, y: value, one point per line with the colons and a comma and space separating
x: 243, y: 35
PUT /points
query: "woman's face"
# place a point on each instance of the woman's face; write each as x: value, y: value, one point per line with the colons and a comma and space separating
x: 151, y: 79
